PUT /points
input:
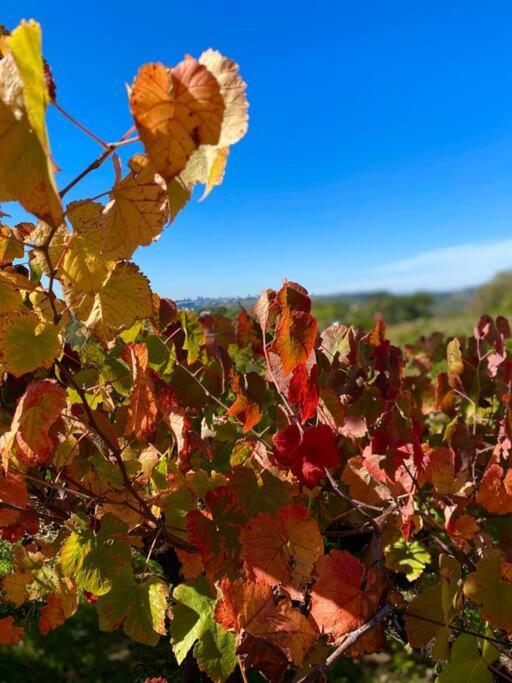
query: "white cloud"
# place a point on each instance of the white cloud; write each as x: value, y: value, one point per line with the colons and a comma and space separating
x: 440, y: 269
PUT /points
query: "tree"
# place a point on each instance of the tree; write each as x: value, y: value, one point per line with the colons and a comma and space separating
x: 268, y: 498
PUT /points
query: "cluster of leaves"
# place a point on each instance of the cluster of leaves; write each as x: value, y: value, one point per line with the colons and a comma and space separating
x: 267, y: 497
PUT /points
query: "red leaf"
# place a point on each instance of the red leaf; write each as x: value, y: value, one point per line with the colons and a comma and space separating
x: 303, y: 390
x: 345, y: 595
x: 307, y: 454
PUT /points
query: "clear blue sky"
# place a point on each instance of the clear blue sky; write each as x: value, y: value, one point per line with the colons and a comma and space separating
x: 379, y: 152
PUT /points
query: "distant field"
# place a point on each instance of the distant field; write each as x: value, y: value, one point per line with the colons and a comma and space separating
x: 452, y: 326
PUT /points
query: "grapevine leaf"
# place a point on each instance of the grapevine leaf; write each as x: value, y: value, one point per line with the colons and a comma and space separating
x: 26, y: 169
x: 282, y: 549
x: 26, y: 343
x: 468, y: 663
x: 430, y: 614
x: 249, y: 607
x: 193, y: 623
x: 307, y: 454
x: 409, y: 558
x: 345, y: 595
x: 94, y: 560
x: 39, y: 407
x: 175, y: 110
x: 123, y: 299
x: 194, y: 335
x: 10, y: 634
x: 138, y: 607
x: 490, y: 587
x: 137, y: 212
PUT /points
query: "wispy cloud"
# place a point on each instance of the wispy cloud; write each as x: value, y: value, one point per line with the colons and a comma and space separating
x: 440, y: 269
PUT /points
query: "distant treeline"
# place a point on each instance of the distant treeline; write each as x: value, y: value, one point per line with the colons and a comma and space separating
x: 360, y: 310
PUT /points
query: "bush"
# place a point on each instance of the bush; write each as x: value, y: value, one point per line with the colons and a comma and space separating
x: 274, y: 500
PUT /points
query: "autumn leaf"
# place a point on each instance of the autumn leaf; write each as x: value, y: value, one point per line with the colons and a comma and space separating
x: 307, y: 454
x: 10, y: 634
x: 94, y: 560
x: 232, y: 88
x: 295, y: 337
x: 14, y: 587
x: 124, y: 298
x: 304, y: 391
x: 26, y: 343
x: 137, y: 212
x: 83, y: 266
x: 26, y: 169
x: 430, y: 613
x: 490, y: 586
x: 495, y: 490
x: 143, y: 410
x: 13, y: 491
x: 455, y: 363
x: 345, y: 594
x: 250, y: 607
x: 215, y: 531
x: 194, y: 335
x: 249, y: 391
x: 282, y: 550
x: 40, y: 406
x: 441, y: 469
x: 139, y: 608
x: 60, y: 606
x: 176, y: 110
x: 10, y: 247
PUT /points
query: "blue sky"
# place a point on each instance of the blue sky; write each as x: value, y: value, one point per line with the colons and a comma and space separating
x: 379, y: 153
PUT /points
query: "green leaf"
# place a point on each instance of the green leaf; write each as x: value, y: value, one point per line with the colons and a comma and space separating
x: 216, y: 653
x: 194, y: 335
x: 193, y: 622
x: 138, y: 607
x: 408, y: 558
x: 93, y: 560
x: 467, y: 663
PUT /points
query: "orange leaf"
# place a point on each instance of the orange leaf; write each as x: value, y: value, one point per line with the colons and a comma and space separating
x: 176, y: 110
x: 345, y: 594
x: 249, y: 606
x: 9, y: 633
x: 37, y: 410
x: 143, y: 410
x: 282, y: 549
x: 495, y: 492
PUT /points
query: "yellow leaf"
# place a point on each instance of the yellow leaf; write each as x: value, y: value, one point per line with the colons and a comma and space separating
x: 178, y: 194
x: 232, y: 89
x: 10, y: 247
x: 175, y: 111
x: 206, y: 167
x: 26, y: 169
x: 56, y: 249
x: 10, y: 295
x: 44, y: 310
x: 25, y: 343
x: 14, y: 587
x: 83, y: 265
x: 138, y: 210
x: 125, y: 298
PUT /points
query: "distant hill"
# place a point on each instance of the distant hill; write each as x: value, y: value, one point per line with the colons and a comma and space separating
x: 494, y: 297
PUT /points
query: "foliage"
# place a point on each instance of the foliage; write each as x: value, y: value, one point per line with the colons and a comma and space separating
x: 261, y: 497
